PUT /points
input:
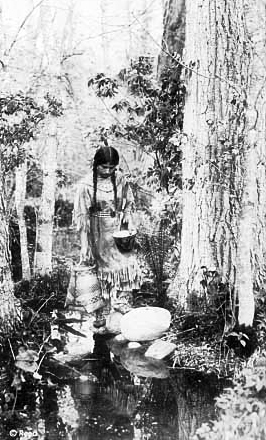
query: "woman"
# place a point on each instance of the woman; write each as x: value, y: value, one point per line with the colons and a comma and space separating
x: 104, y: 205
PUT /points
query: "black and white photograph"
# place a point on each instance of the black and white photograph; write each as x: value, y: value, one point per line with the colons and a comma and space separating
x: 133, y: 220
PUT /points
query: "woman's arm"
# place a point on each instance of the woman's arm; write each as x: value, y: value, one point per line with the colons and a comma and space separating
x: 81, y: 219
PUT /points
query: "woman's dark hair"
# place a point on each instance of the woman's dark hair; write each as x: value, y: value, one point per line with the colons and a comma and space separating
x: 106, y: 155
x: 103, y: 156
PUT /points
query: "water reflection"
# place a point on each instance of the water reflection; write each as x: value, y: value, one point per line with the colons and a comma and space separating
x: 124, y: 403
x: 135, y: 361
x: 137, y: 398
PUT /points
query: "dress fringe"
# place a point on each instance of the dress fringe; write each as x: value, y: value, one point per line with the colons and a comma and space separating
x: 126, y: 279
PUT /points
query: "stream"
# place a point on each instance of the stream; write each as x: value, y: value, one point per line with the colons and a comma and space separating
x: 102, y: 398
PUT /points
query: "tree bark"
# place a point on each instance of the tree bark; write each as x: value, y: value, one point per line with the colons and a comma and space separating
x: 44, y: 236
x: 7, y: 299
x: 20, y: 195
x: 173, y: 39
x: 252, y: 235
x: 217, y: 54
x: 245, y: 246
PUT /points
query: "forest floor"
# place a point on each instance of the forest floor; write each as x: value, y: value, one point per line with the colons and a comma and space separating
x: 201, y: 345
x: 204, y: 345
x: 202, y: 342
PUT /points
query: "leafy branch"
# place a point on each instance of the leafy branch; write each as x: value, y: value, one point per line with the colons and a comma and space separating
x: 20, y: 115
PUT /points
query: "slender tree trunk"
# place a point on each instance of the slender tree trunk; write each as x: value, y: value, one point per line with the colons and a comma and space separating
x: 7, y: 299
x: 217, y: 54
x: 129, y: 32
x: 20, y: 194
x: 68, y: 31
x: 44, y: 236
x: 145, y: 29
x: 173, y: 39
x: 104, y: 29
x: 51, y: 49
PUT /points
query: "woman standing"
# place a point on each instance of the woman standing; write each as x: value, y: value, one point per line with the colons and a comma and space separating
x: 103, y: 205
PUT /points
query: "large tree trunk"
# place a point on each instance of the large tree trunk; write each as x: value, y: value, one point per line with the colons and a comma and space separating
x: 7, y: 299
x: 244, y: 267
x: 44, y: 235
x: 217, y: 54
x: 173, y: 39
x: 1, y: 34
x: 252, y: 234
x: 20, y: 195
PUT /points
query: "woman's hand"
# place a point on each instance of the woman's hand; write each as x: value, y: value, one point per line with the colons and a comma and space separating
x: 126, y: 219
x: 126, y: 222
x: 86, y: 257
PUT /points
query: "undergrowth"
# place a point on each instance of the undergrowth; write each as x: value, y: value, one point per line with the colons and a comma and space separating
x: 206, y: 335
x: 24, y: 351
x: 242, y: 409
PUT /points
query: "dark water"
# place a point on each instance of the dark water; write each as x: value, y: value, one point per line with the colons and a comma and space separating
x: 101, y: 400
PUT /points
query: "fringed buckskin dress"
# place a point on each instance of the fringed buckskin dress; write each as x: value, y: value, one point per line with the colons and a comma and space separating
x: 118, y: 272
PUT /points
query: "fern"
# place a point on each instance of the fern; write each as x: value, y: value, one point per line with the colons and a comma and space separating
x: 155, y: 247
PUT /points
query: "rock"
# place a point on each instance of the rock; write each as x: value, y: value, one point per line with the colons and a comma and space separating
x: 160, y: 349
x: 131, y: 345
x: 117, y: 344
x: 113, y: 322
x: 120, y: 338
x: 135, y: 362
x: 145, y: 323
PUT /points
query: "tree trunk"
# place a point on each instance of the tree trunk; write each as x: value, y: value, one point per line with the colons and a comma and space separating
x: 20, y: 194
x: 129, y: 32
x: 244, y: 267
x: 105, y: 39
x: 173, y: 39
x: 1, y: 34
x: 217, y: 54
x: 44, y: 236
x: 145, y: 29
x: 7, y: 299
x: 252, y: 235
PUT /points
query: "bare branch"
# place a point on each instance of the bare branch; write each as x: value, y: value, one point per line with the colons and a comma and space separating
x: 74, y: 54
x: 21, y: 26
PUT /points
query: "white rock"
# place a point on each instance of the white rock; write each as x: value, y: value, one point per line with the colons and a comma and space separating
x: 131, y: 345
x: 113, y: 322
x: 145, y: 323
x: 160, y: 349
x: 120, y: 338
